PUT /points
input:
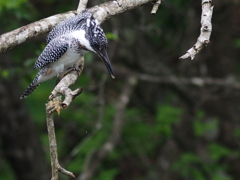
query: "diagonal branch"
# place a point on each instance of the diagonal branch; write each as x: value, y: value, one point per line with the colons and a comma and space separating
x: 101, y: 13
x: 206, y: 30
x: 63, y: 86
x: 82, y: 5
x: 20, y: 35
x: 156, y: 6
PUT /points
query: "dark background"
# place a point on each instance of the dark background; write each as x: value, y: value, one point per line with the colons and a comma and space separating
x: 170, y: 128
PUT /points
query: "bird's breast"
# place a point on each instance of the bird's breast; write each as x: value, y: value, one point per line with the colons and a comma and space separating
x: 77, y: 47
x: 66, y: 61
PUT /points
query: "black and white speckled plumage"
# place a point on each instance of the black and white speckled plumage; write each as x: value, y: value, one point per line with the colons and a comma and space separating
x: 53, y: 51
x: 70, y: 25
x: 66, y: 43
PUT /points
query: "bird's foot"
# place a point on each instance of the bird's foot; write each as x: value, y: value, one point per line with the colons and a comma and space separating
x: 54, y: 105
x: 70, y: 69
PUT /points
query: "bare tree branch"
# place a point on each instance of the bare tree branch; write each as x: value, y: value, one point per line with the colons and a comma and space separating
x: 56, y: 105
x: 206, y: 30
x: 100, y: 12
x: 20, y: 35
x: 196, y: 81
x: 82, y: 5
x: 53, y: 145
x: 155, y: 6
x: 63, y: 86
x: 230, y: 82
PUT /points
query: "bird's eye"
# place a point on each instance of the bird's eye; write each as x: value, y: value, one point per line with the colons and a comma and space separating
x: 96, y: 46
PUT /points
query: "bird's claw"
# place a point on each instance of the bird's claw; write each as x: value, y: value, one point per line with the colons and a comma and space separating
x: 54, y: 105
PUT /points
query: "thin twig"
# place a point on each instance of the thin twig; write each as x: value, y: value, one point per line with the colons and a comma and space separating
x: 53, y: 146
x: 82, y: 5
x: 206, y: 30
x: 156, y: 6
x: 169, y: 78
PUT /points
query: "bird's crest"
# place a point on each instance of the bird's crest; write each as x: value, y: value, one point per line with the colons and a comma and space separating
x: 71, y: 24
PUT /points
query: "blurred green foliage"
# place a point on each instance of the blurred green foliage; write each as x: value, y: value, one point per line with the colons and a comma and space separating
x: 207, y: 164
x: 201, y: 127
x: 107, y: 174
x: 236, y: 43
x: 11, y: 4
x: 167, y: 115
x: 193, y: 166
x: 5, y: 169
x: 4, y: 73
x: 112, y: 36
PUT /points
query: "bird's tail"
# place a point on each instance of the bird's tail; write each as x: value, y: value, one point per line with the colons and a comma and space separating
x: 29, y: 90
x: 31, y: 87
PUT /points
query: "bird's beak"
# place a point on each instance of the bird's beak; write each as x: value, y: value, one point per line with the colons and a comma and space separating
x: 104, y: 56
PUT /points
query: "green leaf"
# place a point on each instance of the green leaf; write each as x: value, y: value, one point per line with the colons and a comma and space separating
x: 106, y: 174
x: 5, y: 73
x: 11, y: 4
x: 111, y: 36
x: 218, y: 151
x: 166, y: 116
x: 236, y: 43
x: 185, y: 165
x: 201, y: 128
x: 236, y: 132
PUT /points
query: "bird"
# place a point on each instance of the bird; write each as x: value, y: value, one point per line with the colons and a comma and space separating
x: 66, y: 43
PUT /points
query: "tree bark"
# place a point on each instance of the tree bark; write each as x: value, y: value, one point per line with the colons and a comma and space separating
x: 101, y: 13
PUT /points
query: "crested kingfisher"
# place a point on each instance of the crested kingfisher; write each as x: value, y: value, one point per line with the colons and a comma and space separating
x: 66, y: 44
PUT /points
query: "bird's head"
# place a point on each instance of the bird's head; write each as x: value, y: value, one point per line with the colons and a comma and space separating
x: 99, y: 43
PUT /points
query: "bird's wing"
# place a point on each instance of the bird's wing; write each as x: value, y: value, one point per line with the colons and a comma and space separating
x: 52, y: 52
x: 69, y: 25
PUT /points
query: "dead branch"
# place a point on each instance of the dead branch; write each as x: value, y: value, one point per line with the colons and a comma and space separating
x: 63, y: 86
x: 206, y: 30
x: 169, y: 78
x: 20, y: 35
x: 101, y: 13
x: 156, y: 6
x: 82, y: 5
x: 53, y: 146
x: 56, y: 104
